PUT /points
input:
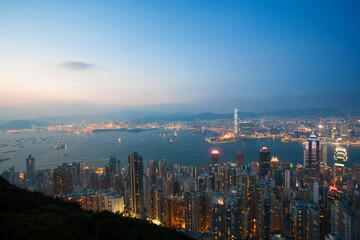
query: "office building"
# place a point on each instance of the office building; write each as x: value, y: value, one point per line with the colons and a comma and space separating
x: 135, y: 162
x: 30, y: 169
x: 236, y: 121
x: 340, y: 164
x: 215, y: 157
x: 264, y: 162
x: 312, y: 156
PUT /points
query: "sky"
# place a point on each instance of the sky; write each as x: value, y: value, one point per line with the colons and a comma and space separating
x: 69, y: 57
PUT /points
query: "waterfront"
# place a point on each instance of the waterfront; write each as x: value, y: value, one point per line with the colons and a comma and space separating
x: 186, y: 149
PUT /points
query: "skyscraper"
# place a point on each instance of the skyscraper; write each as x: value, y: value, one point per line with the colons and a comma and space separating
x: 265, y: 216
x: 239, y: 158
x: 62, y: 180
x: 218, y: 218
x: 340, y: 160
x: 274, y: 166
x: 323, y: 153
x: 136, y: 184
x: 113, y: 164
x: 264, y: 162
x: 236, y: 125
x: 298, y: 218
x: 162, y: 168
x: 215, y: 157
x: 192, y: 211
x: 312, y: 156
x: 30, y: 169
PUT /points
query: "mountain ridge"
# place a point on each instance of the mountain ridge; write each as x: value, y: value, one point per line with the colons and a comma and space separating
x: 151, y: 116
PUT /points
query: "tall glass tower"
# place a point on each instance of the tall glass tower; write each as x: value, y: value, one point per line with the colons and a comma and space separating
x: 340, y: 163
x: 264, y: 161
x: 312, y: 156
x: 136, y: 172
x: 30, y: 169
x: 236, y: 124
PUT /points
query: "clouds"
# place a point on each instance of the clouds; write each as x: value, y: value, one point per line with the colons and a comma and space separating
x: 77, y: 66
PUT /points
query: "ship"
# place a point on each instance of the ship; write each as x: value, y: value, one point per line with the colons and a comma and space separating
x: 62, y: 146
x: 9, y: 151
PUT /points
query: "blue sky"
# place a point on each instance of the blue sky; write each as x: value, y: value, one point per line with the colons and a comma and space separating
x: 64, y: 57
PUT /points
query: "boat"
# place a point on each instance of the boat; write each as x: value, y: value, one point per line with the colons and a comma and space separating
x: 62, y: 146
x: 8, y: 151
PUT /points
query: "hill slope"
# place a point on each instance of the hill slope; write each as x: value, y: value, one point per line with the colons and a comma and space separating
x: 22, y: 124
x: 32, y: 215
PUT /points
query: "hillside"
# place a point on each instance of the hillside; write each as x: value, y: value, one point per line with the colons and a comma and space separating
x: 32, y: 215
x: 22, y: 124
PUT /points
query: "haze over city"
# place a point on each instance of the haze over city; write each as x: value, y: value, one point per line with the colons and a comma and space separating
x: 67, y: 57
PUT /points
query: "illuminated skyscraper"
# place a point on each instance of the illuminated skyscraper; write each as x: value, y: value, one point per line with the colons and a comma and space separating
x: 236, y: 125
x: 215, y: 157
x: 155, y: 203
x: 30, y: 169
x: 323, y: 153
x: 313, y: 221
x: 274, y: 166
x: 62, y: 180
x: 264, y: 162
x: 231, y: 218
x: 136, y: 183
x: 192, y: 211
x: 298, y: 218
x: 312, y: 156
x: 340, y: 160
x: 265, y: 216
x: 218, y: 218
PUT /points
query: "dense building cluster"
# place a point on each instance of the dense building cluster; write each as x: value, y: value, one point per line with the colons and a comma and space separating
x: 268, y: 199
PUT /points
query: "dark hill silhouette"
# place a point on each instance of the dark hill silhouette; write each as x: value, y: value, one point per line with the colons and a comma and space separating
x: 32, y: 215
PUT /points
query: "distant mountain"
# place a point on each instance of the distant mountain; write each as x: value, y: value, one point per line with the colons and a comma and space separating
x: 121, y: 115
x: 291, y: 113
x: 3, y: 121
x: 33, y: 215
x: 22, y: 124
x: 319, y: 112
x: 151, y: 116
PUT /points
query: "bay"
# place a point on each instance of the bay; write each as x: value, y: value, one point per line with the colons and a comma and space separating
x: 187, y: 148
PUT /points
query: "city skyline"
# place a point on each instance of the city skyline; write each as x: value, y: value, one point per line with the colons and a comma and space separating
x: 255, y: 178
x: 180, y: 119
x: 66, y: 58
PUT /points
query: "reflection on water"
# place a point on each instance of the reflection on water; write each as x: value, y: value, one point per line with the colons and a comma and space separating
x: 186, y: 148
